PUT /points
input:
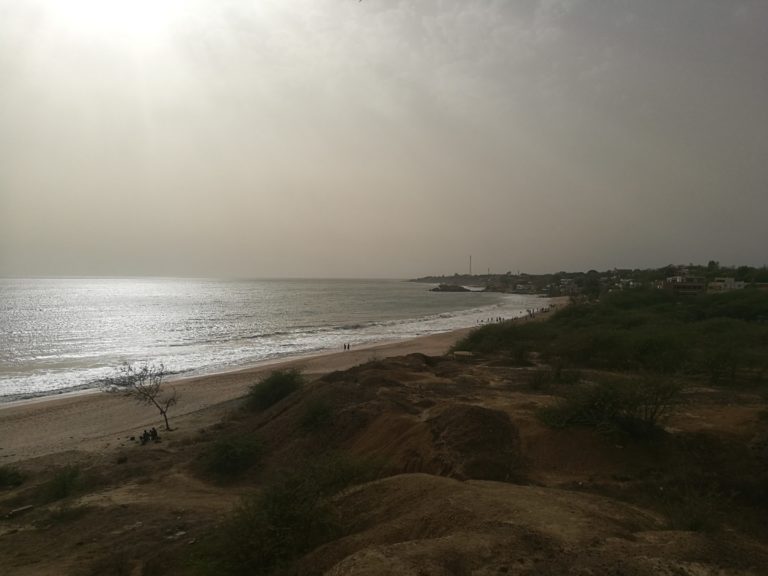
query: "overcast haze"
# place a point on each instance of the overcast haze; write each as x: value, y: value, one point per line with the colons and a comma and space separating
x: 337, y: 138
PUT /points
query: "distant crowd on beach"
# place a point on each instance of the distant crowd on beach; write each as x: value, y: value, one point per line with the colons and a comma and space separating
x: 529, y: 313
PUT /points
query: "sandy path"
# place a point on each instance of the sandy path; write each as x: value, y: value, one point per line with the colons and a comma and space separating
x: 99, y: 421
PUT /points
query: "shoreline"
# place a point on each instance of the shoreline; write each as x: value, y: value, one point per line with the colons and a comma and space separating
x: 204, y: 373
x: 40, y: 383
x: 95, y: 421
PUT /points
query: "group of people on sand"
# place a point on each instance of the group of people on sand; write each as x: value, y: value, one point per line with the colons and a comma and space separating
x: 530, y: 313
x: 497, y: 320
x: 151, y: 435
x: 347, y: 346
x: 533, y: 311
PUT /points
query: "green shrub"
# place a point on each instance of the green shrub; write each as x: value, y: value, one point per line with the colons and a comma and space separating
x: 702, y: 480
x: 274, y: 388
x: 318, y: 415
x: 567, y: 376
x: 334, y: 472
x: 270, y: 530
x: 62, y: 485
x: 520, y: 354
x: 116, y: 563
x: 10, y: 477
x: 291, y: 516
x: 720, y: 336
x: 516, y: 340
x: 540, y: 380
x: 68, y: 513
x: 231, y: 457
x: 635, y: 407
x: 693, y: 507
x: 656, y: 351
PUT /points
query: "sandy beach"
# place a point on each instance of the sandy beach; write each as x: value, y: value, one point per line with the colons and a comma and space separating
x: 101, y: 421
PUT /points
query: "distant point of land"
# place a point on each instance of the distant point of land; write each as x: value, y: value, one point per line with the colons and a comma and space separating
x: 450, y: 288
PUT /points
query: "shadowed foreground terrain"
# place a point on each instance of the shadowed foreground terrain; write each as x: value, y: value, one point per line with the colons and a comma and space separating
x: 423, y: 465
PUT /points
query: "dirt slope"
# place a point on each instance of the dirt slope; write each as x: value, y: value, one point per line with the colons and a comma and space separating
x: 477, y: 484
x: 422, y: 524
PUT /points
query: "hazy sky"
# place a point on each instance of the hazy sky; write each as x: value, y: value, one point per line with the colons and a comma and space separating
x: 337, y: 138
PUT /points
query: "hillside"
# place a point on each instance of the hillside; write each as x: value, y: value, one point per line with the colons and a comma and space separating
x: 416, y: 465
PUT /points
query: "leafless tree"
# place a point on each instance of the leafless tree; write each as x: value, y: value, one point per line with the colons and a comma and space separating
x: 144, y: 385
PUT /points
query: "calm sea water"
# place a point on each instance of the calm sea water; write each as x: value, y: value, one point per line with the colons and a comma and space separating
x: 60, y: 335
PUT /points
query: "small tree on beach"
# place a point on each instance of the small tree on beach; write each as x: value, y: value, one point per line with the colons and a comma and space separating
x: 144, y: 385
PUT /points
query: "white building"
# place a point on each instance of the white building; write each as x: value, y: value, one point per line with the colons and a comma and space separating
x: 725, y: 285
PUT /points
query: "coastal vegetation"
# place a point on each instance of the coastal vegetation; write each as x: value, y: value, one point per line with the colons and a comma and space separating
x: 292, y: 514
x: 62, y: 485
x: 626, y: 364
x: 10, y: 477
x: 273, y: 388
x: 636, y: 407
x: 721, y: 337
x: 318, y: 416
x: 231, y: 457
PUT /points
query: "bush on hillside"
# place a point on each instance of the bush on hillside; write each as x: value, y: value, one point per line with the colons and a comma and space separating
x: 634, y: 407
x: 10, y: 477
x: 291, y: 516
x: 317, y: 416
x: 517, y: 340
x: 229, y: 458
x: 274, y: 388
x: 270, y: 530
x: 718, y: 336
x: 700, y: 481
x: 62, y: 485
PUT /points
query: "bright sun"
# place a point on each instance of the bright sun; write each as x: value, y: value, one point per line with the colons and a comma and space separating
x: 135, y: 22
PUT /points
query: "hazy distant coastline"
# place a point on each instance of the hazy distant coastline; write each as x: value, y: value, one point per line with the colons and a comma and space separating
x: 593, y: 283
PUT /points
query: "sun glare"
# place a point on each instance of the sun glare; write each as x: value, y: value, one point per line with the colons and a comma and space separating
x: 135, y: 22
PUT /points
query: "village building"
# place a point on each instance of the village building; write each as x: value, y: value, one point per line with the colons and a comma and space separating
x: 726, y: 285
x: 686, y: 285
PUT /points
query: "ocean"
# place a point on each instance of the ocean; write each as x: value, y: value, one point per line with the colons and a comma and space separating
x: 61, y: 335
